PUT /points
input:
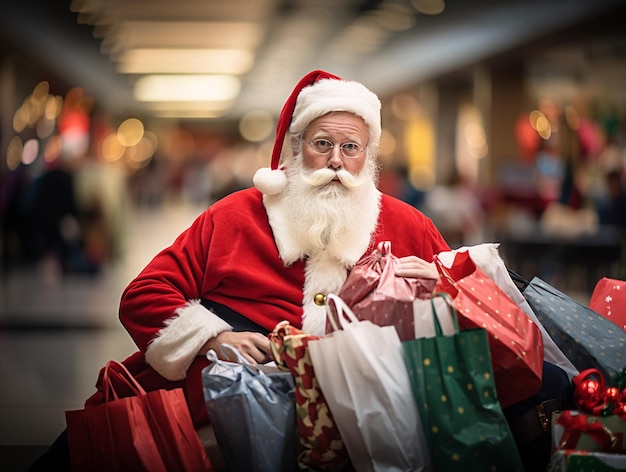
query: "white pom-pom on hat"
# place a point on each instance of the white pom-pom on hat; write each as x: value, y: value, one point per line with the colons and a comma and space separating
x: 270, y: 181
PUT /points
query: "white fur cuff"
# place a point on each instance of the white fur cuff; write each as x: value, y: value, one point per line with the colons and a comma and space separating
x: 175, y: 347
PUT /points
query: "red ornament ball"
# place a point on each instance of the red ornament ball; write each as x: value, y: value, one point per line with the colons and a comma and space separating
x: 589, y: 394
x: 612, y: 395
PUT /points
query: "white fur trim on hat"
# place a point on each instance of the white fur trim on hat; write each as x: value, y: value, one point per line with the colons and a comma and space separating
x: 175, y: 347
x: 329, y: 95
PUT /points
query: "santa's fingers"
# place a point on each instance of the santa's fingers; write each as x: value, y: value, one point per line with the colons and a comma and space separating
x: 253, y: 347
x: 412, y: 266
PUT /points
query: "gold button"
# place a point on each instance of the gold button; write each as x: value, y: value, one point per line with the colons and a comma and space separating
x: 319, y: 299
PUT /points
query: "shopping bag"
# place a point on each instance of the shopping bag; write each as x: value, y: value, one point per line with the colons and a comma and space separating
x: 487, y: 257
x: 149, y: 431
x: 321, y: 443
x: 374, y: 292
x: 587, y: 338
x: 515, y: 340
x: 609, y: 300
x: 367, y: 376
x: 252, y: 411
x: 453, y: 384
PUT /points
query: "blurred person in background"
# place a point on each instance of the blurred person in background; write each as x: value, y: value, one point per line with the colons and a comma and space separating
x: 49, y: 226
x: 612, y: 208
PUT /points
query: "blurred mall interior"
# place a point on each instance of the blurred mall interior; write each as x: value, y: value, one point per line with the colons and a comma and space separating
x: 120, y: 121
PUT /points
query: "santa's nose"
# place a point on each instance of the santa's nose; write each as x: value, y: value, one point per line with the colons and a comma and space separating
x: 335, y: 160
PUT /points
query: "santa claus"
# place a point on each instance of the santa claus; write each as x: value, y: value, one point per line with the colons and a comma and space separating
x: 270, y: 253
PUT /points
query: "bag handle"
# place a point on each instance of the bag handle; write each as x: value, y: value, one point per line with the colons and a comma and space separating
x: 114, y: 369
x: 448, y: 299
x: 384, y: 248
x: 341, y: 311
x: 211, y: 355
x: 517, y: 278
x: 444, y: 274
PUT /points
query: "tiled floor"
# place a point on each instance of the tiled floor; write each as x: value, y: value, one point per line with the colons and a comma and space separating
x: 55, y: 335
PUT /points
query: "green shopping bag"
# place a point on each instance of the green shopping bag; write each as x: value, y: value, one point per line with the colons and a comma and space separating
x: 453, y: 385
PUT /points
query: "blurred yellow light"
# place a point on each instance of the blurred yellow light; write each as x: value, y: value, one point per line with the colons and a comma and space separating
x: 184, y: 88
x: 20, y: 119
x: 53, y: 107
x: 422, y: 178
x: 255, y: 126
x: 572, y: 117
x: 429, y: 7
x: 186, y: 61
x: 14, y: 153
x: 112, y: 149
x: 53, y: 149
x: 543, y: 127
x: 40, y: 92
x: 387, y: 143
x: 130, y: 132
x: 420, y: 148
x: 533, y: 116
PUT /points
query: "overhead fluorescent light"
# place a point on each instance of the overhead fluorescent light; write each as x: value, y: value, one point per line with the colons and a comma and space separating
x: 189, y: 114
x: 186, y: 61
x: 189, y: 106
x: 187, y: 88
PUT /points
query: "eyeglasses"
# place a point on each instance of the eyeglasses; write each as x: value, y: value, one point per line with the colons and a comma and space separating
x: 325, y: 147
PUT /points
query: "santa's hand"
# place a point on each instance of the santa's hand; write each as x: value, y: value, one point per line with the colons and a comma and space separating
x: 413, y: 266
x: 252, y: 346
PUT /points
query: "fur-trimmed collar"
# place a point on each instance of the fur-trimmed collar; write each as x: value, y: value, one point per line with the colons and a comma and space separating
x: 326, y: 270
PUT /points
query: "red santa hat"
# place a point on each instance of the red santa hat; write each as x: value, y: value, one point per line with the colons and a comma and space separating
x: 318, y: 93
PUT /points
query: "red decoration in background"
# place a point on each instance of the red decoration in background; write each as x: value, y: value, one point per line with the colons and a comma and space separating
x: 527, y: 138
x: 592, y: 395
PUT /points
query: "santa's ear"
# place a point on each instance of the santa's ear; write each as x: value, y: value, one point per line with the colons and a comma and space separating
x: 296, y: 144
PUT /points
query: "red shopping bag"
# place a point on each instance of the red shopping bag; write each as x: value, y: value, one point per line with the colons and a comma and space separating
x: 609, y: 300
x: 375, y: 293
x: 514, y: 339
x: 149, y: 431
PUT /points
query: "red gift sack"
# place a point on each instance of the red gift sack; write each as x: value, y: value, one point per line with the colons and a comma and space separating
x: 149, y: 431
x: 609, y: 300
x: 375, y: 293
x: 514, y: 339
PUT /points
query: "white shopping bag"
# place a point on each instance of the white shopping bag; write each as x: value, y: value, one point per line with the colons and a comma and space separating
x: 323, y: 353
x: 375, y: 385
x: 423, y: 316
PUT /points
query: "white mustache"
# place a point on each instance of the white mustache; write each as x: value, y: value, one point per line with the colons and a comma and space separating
x: 320, y: 177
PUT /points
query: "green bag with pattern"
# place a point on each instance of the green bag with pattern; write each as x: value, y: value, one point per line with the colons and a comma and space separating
x: 453, y: 385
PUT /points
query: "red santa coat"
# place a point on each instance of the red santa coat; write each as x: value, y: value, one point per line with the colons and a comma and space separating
x: 229, y: 256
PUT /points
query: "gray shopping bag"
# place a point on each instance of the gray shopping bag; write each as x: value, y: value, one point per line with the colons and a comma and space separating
x: 252, y: 411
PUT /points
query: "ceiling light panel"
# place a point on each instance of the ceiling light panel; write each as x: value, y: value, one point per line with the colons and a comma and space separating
x: 185, y: 61
x: 181, y: 88
x: 206, y: 34
x: 256, y: 10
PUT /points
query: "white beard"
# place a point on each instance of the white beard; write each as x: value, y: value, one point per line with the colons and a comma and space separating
x: 321, y: 215
x: 329, y: 225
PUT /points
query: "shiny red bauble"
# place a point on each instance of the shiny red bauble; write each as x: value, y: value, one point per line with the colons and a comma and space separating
x: 589, y: 395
